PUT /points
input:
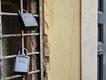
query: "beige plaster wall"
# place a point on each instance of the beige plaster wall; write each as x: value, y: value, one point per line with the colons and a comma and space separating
x: 63, y: 30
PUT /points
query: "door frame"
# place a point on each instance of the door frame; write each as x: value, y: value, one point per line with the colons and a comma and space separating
x: 89, y: 39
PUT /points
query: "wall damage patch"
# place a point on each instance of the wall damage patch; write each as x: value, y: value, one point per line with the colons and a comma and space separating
x: 48, y: 22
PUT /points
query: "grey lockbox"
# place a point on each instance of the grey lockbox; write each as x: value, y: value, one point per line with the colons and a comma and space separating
x: 28, y: 20
x: 22, y: 63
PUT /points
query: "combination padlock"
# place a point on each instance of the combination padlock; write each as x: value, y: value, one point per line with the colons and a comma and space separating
x: 22, y: 63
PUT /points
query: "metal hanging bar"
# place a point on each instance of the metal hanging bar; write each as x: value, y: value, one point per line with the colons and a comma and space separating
x: 21, y: 4
x: 14, y: 14
x: 16, y: 76
x: 18, y: 35
x: 22, y: 33
x: 13, y: 56
x: 41, y: 38
x: 1, y: 53
x: 22, y: 30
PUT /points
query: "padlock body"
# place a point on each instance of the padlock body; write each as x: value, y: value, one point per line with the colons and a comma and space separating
x: 28, y: 21
x: 22, y: 64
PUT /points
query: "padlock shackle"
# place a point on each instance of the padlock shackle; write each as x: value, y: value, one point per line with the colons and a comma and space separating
x: 25, y: 53
x: 26, y: 50
x: 23, y: 11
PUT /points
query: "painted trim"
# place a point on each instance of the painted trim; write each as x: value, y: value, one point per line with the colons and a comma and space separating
x: 89, y: 39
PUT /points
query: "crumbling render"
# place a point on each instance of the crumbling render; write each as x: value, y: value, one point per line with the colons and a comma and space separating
x: 46, y: 57
x: 48, y: 22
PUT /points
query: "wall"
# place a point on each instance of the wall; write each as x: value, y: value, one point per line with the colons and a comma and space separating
x: 63, y: 30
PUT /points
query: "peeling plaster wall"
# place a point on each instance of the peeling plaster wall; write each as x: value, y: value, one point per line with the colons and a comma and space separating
x: 62, y: 26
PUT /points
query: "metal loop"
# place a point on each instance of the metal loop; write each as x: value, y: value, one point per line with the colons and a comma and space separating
x: 23, y: 11
x: 19, y: 11
x: 21, y: 53
x: 26, y: 50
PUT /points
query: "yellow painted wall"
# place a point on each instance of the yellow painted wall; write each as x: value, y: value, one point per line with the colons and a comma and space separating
x: 63, y: 18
